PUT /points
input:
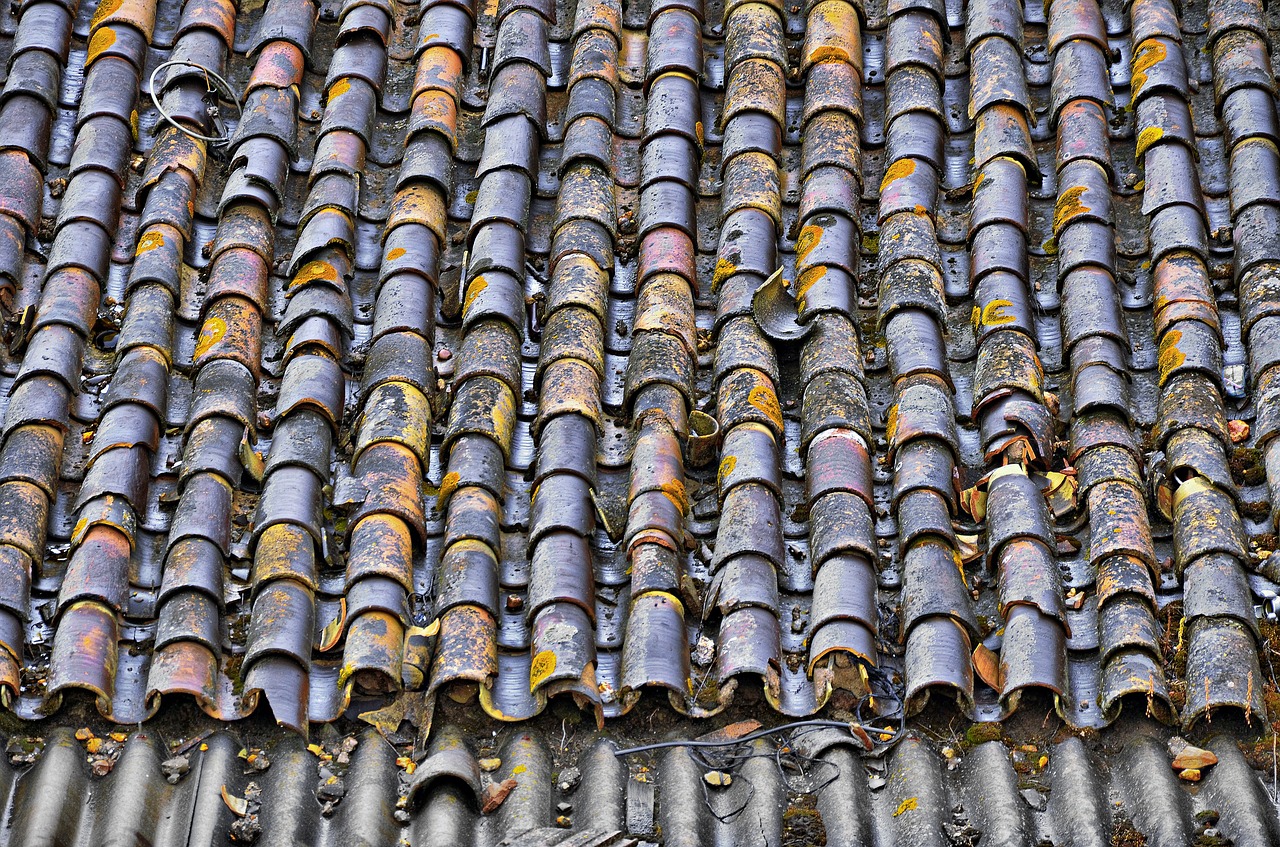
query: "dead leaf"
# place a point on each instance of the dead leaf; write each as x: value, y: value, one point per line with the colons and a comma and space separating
x: 987, y: 664
x: 251, y: 459
x: 238, y: 805
x: 495, y: 793
x: 861, y: 734
x: 1061, y: 495
x: 333, y: 630
x: 974, y: 502
x: 970, y: 549
x: 732, y: 732
x: 1164, y: 501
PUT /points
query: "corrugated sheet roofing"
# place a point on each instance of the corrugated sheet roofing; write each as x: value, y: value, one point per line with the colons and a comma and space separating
x: 905, y: 363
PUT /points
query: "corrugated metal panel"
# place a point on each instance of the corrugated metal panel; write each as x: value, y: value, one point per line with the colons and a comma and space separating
x: 1087, y: 793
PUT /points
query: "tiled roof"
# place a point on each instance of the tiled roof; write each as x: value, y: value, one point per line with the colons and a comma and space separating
x: 914, y: 356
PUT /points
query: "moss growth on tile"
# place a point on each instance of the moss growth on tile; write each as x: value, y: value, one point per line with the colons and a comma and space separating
x: 1246, y: 466
x: 980, y: 733
x: 1125, y: 834
x: 802, y: 824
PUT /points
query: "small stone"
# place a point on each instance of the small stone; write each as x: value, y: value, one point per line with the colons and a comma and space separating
x: 1190, y: 774
x: 1034, y: 799
x: 175, y: 769
x: 563, y: 822
x: 564, y: 808
x: 1189, y: 757
x: 1238, y: 430
x: 331, y: 790
x: 245, y: 830
x: 444, y: 354
x: 875, y: 783
x: 720, y: 779
x: 514, y: 602
x: 490, y: 765
x: 569, y: 779
x: 401, y: 816
x: 704, y: 652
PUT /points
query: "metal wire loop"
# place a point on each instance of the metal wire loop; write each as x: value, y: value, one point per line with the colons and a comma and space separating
x: 219, y: 86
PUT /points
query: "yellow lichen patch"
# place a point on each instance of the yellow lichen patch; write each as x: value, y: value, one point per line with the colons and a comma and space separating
x: 340, y: 88
x: 891, y: 423
x: 1170, y: 356
x: 149, y: 241
x: 810, y: 237
x: 767, y: 402
x: 828, y: 53
x: 448, y: 485
x: 395, y: 253
x: 101, y: 40
x: 314, y: 270
x: 698, y: 131
x: 932, y: 40
x: 898, y: 170
x: 1068, y: 207
x: 543, y: 665
x: 1150, y: 53
x: 213, y: 331
x: 808, y: 278
x: 724, y: 269
x: 727, y: 464
x: 105, y: 9
x: 995, y: 313
x: 478, y: 285
x: 674, y: 489
x: 1148, y: 137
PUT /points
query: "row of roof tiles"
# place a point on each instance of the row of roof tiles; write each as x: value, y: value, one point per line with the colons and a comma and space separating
x: 351, y: 791
x: 300, y: 415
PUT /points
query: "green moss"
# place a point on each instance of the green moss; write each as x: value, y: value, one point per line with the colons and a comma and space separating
x: 1125, y: 834
x: 980, y: 733
x: 1246, y: 466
